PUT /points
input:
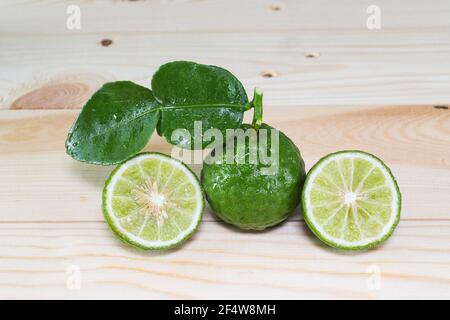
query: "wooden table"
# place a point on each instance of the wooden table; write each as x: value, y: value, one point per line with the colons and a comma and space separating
x: 330, y: 83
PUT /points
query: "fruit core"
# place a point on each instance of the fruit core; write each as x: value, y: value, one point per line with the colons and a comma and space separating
x: 150, y: 200
x: 350, y: 198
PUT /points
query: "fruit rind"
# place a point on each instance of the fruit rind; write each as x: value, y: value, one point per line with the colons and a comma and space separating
x: 122, y: 235
x: 240, y: 195
x: 324, y: 238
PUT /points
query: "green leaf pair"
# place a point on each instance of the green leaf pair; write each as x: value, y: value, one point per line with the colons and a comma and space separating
x: 119, y: 119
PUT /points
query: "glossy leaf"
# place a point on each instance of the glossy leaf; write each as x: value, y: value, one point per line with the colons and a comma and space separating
x: 189, y: 92
x: 115, y: 123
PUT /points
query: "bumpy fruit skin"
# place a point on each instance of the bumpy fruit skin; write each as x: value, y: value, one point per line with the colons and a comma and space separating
x: 240, y: 194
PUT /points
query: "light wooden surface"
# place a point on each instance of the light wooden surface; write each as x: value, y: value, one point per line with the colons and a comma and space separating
x: 370, y: 90
x: 45, y: 65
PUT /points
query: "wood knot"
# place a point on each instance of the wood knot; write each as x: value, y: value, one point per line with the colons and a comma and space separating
x: 277, y: 7
x: 106, y: 42
x: 312, y: 54
x: 269, y: 74
x: 55, y: 96
x: 441, y: 107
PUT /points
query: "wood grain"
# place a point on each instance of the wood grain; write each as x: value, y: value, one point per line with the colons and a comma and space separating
x: 41, y: 183
x: 45, y: 65
x: 286, y: 262
x: 329, y: 84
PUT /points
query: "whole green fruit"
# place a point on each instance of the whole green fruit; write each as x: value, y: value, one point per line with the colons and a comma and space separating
x: 245, y: 195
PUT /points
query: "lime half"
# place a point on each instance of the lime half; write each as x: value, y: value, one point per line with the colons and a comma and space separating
x: 351, y: 200
x: 153, y: 201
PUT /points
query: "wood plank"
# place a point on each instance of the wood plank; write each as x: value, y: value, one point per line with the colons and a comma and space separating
x: 44, y: 16
x: 45, y: 65
x: 286, y: 262
x: 329, y: 83
x: 346, y: 73
x: 41, y: 183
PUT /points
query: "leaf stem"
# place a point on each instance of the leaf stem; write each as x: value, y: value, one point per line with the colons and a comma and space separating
x: 160, y: 107
x: 211, y: 105
x: 257, y: 104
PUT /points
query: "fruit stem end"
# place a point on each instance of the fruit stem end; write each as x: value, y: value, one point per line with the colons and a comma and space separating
x: 257, y: 104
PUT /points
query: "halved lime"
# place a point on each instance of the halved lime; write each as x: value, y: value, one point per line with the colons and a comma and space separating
x: 351, y: 200
x: 153, y: 201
